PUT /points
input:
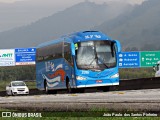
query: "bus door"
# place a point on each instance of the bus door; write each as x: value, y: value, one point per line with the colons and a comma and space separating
x: 69, y: 63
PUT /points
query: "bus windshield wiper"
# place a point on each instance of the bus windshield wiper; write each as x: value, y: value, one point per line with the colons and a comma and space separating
x: 92, y: 61
x: 98, y: 59
x: 102, y: 62
x: 96, y: 56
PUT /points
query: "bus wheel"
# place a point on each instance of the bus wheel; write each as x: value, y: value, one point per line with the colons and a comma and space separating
x: 105, y: 88
x: 69, y: 89
x: 46, y: 88
x: 49, y: 91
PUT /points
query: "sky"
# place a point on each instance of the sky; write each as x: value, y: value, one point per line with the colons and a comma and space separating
x: 16, y: 13
x: 130, y: 1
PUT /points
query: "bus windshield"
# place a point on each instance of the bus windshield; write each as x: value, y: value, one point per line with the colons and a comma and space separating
x: 95, y: 55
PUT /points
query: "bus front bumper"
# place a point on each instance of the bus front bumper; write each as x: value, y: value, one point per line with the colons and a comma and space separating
x: 97, y: 83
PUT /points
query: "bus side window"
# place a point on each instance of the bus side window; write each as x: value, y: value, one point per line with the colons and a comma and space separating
x: 49, y: 52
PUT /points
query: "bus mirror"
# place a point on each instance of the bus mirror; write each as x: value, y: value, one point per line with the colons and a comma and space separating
x: 118, y: 45
x: 73, y: 49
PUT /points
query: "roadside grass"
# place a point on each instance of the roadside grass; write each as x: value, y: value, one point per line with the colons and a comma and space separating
x: 6, y: 110
x: 31, y: 84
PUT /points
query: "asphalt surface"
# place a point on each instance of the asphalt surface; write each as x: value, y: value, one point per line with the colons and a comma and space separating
x: 147, y: 100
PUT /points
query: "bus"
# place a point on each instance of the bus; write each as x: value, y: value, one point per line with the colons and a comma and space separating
x: 77, y: 61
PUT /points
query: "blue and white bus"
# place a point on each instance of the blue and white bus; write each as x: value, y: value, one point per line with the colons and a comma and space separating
x: 77, y: 61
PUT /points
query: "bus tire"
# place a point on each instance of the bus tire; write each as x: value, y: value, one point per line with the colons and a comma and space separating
x: 46, y: 88
x: 69, y: 89
x: 49, y: 91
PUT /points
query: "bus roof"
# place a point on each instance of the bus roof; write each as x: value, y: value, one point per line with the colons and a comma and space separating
x: 49, y: 43
x: 78, y: 37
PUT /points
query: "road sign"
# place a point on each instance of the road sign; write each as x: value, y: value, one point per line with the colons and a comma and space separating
x: 25, y: 56
x: 7, y: 57
x: 129, y: 59
x: 149, y: 58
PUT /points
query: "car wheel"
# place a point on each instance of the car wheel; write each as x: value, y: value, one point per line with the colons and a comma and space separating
x: 12, y: 93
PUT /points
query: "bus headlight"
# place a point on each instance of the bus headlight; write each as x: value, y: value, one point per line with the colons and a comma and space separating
x: 80, y: 78
x: 115, y: 75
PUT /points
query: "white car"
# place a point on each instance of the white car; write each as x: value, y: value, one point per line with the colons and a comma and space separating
x: 17, y: 88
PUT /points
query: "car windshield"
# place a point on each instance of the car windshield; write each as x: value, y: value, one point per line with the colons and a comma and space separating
x: 95, y: 55
x: 18, y: 84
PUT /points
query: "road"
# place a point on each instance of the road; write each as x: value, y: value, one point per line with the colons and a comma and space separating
x: 134, y: 100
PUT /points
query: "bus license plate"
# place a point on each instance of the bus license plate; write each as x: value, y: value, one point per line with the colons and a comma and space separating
x: 98, y: 81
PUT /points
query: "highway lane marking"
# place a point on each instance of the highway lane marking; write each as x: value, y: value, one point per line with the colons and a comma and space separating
x: 73, y: 95
x: 121, y: 93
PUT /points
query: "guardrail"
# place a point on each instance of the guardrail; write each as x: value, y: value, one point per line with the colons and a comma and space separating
x: 140, y: 83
